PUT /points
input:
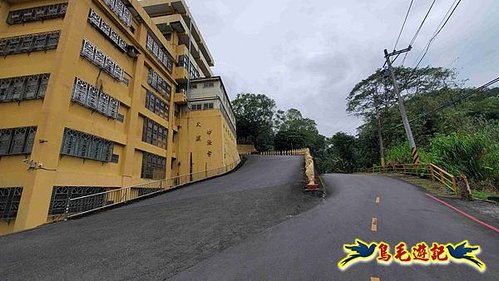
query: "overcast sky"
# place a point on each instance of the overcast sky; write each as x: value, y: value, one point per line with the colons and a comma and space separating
x: 309, y: 54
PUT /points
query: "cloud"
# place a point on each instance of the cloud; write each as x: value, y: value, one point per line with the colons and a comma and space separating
x: 309, y: 54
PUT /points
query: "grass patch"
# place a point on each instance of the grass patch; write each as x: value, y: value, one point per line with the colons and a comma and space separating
x: 482, y: 194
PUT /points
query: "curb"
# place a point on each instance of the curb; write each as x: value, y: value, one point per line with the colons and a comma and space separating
x: 463, y: 213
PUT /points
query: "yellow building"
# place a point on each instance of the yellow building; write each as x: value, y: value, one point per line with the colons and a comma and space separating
x: 93, y: 97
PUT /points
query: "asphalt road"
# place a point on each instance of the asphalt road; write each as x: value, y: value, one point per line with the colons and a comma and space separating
x: 159, y: 237
x: 309, y: 246
x: 254, y: 224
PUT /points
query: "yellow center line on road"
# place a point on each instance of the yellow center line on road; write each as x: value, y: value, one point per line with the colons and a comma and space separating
x: 375, y: 279
x: 378, y: 199
x: 374, y: 224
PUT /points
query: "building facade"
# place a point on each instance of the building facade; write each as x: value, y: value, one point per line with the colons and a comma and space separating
x: 101, y: 94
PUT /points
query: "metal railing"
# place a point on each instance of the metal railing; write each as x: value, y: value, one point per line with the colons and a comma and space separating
x: 443, y: 176
x: 421, y: 170
x: 90, y: 203
x: 285, y: 152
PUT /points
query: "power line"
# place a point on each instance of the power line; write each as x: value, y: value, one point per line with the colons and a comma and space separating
x: 441, y: 26
x: 419, y: 30
x: 403, y: 24
x: 422, y: 23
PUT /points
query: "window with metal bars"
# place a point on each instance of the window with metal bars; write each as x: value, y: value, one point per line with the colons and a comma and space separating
x: 86, y: 146
x: 15, y: 89
x: 103, y: 27
x: 156, y: 105
x: 120, y: 10
x: 153, y: 166
x: 17, y: 141
x: 96, y: 56
x: 153, y: 133
x: 37, y: 14
x: 159, y: 52
x: 29, y: 43
x: 10, y: 197
x: 61, y: 195
x: 90, y: 97
x: 159, y: 84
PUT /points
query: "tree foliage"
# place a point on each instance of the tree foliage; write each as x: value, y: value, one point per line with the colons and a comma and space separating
x: 361, y: 100
x: 255, y: 118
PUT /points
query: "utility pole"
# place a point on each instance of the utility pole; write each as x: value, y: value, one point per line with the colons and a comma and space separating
x: 380, y: 136
x: 407, y: 126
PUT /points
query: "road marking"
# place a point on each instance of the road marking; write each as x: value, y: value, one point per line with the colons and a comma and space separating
x: 377, y: 199
x: 374, y: 224
x: 463, y: 213
x: 375, y: 279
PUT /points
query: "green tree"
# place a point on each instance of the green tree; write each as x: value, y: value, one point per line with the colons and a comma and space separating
x: 361, y: 100
x: 295, y: 131
x: 255, y: 119
x: 343, y: 148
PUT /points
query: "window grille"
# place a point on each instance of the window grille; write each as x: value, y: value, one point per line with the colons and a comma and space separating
x: 39, y: 42
x: 114, y: 37
x: 26, y: 44
x: 61, y: 195
x: 89, y: 96
x: 15, y: 141
x: 99, y: 58
x: 94, y: 18
x: 103, y: 103
x: 96, y: 56
x: 44, y: 81
x: 3, y: 46
x: 115, y: 158
x: 121, y: 118
x: 29, y: 43
x: 10, y: 197
x: 159, y: 84
x: 109, y: 65
x: 153, y: 166
x: 52, y: 40
x: 156, y: 105
x: 37, y: 14
x: 83, y: 145
x: 19, y: 86
x: 154, y: 134
x: 105, y: 28
x: 159, y: 52
x: 32, y: 83
x: 120, y: 10
x: 23, y: 87
x: 88, y: 50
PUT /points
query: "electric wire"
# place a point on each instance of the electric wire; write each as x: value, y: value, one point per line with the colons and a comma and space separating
x: 418, y: 30
x: 403, y: 24
x: 441, y: 26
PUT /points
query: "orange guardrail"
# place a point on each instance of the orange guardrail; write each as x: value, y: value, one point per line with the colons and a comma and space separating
x: 443, y: 176
x: 436, y: 173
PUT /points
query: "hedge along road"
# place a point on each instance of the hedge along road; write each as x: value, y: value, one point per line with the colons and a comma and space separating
x: 159, y: 237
